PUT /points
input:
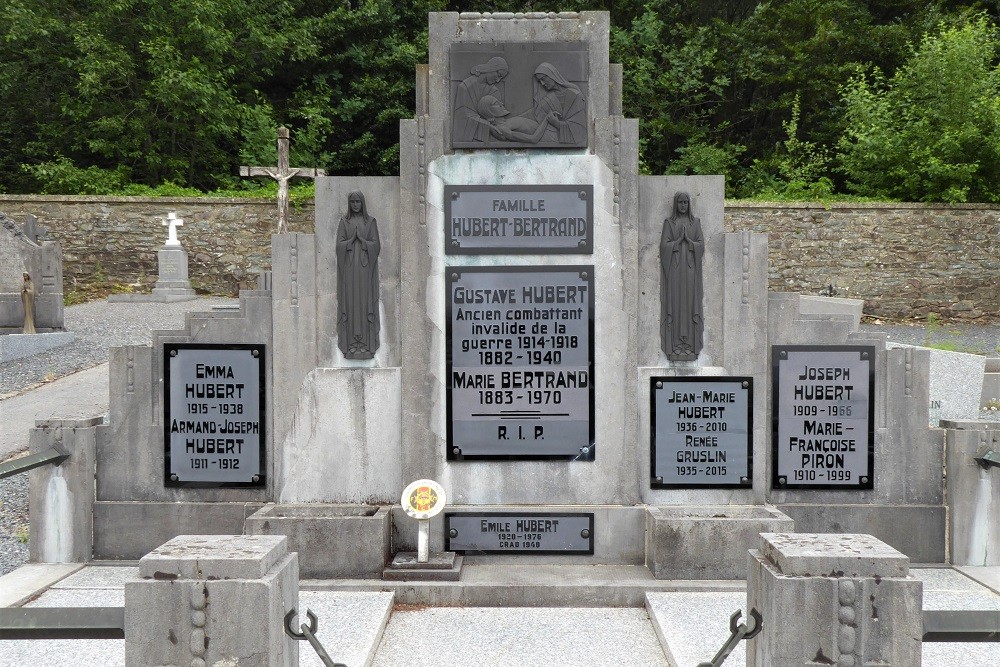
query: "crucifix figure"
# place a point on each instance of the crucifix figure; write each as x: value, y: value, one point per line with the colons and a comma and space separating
x: 172, y: 223
x: 283, y: 173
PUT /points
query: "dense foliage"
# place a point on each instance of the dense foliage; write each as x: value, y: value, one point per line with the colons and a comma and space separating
x: 788, y: 98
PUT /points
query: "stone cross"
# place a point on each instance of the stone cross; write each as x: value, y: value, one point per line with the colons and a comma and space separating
x: 172, y: 223
x: 282, y: 173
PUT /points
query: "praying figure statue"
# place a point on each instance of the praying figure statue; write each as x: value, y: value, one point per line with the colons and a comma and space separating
x: 358, y: 248
x: 28, y: 300
x: 682, y: 248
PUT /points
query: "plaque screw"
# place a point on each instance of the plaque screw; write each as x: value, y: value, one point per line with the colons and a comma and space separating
x: 864, y: 479
x: 173, y: 353
x: 782, y: 480
x: 744, y: 480
x: 173, y: 478
x: 659, y: 480
x: 585, y: 450
x: 454, y: 276
x: 745, y: 384
x: 581, y: 242
x: 784, y: 355
x: 583, y: 194
x: 255, y: 479
x: 585, y: 533
x: 455, y: 243
x: 583, y: 274
x: 456, y: 451
x: 454, y: 195
x: 453, y: 532
x: 255, y: 353
x: 864, y: 355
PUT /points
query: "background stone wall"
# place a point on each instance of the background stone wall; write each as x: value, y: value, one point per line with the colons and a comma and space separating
x: 903, y: 259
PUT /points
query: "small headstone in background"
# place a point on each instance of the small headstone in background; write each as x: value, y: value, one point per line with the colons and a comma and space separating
x: 172, y: 283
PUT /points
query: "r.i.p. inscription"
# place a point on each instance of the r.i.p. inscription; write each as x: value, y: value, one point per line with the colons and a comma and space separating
x: 520, y: 362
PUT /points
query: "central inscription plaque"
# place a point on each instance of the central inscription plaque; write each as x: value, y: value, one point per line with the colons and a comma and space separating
x: 520, y: 362
x: 213, y: 417
x: 486, y: 219
x: 824, y: 399
x: 702, y: 432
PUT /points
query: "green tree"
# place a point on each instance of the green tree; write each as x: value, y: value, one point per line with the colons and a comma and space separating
x: 931, y: 131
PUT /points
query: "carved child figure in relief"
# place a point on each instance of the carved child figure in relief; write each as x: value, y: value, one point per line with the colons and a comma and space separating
x: 358, y: 247
x: 682, y: 248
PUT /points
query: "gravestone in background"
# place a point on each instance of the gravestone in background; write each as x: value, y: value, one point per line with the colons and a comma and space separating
x: 19, y: 254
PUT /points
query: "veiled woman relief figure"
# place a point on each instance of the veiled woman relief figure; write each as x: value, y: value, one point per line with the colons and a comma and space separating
x: 562, y: 104
x: 358, y: 248
x: 485, y: 80
x: 682, y: 248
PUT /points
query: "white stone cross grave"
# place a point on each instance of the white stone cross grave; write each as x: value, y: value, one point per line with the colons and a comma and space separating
x: 172, y: 223
x: 282, y: 174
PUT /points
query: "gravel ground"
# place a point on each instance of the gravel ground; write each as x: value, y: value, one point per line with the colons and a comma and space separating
x: 100, y: 325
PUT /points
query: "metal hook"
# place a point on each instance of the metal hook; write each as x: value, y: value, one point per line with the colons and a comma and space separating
x: 294, y: 634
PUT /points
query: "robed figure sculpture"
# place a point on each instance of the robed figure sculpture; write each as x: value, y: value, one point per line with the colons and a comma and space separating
x: 358, y: 248
x: 682, y: 248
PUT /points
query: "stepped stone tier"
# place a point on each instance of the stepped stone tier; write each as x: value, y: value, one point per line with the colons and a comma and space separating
x: 581, y: 356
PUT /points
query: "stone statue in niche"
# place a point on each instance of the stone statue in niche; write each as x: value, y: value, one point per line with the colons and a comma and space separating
x: 524, y: 96
x: 28, y: 301
x: 358, y: 247
x: 682, y: 248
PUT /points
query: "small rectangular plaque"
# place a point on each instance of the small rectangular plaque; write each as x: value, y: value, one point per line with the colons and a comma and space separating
x: 824, y: 400
x: 520, y: 359
x: 702, y: 432
x: 519, y: 533
x: 213, y: 415
x: 518, y: 219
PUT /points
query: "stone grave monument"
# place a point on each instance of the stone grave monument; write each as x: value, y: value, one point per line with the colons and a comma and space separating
x: 592, y: 369
x: 172, y: 282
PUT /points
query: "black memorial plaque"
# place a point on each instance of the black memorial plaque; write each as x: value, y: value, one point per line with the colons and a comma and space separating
x: 519, y: 533
x: 520, y: 360
x: 518, y: 219
x: 823, y: 407
x: 702, y: 432
x: 213, y: 415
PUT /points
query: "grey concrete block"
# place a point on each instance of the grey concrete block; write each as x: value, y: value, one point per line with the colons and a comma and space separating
x: 956, y: 383
x: 18, y: 345
x: 707, y: 542
x: 827, y: 305
x: 61, y: 497
x: 343, y: 444
x: 130, y: 530
x: 840, y: 599
x: 973, y: 497
x: 916, y: 530
x: 213, y: 600
x: 333, y: 541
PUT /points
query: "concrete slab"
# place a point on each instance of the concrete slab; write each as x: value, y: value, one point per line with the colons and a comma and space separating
x: 692, y: 627
x: 350, y: 625
x: 520, y: 636
x: 18, y: 586
x: 99, y: 577
x: 64, y: 597
x: 77, y: 396
x: 531, y: 585
x: 18, y: 346
x: 987, y: 576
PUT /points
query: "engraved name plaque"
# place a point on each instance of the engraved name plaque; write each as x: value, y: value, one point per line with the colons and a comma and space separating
x: 824, y: 399
x: 519, y: 533
x: 542, y: 219
x: 213, y: 415
x: 702, y: 432
x: 520, y: 362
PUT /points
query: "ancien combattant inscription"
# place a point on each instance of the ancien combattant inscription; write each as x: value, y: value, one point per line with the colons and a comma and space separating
x: 520, y: 362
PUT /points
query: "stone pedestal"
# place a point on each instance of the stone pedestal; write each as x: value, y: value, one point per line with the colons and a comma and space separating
x: 213, y: 599
x: 825, y: 599
x: 172, y: 283
x: 973, y: 493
